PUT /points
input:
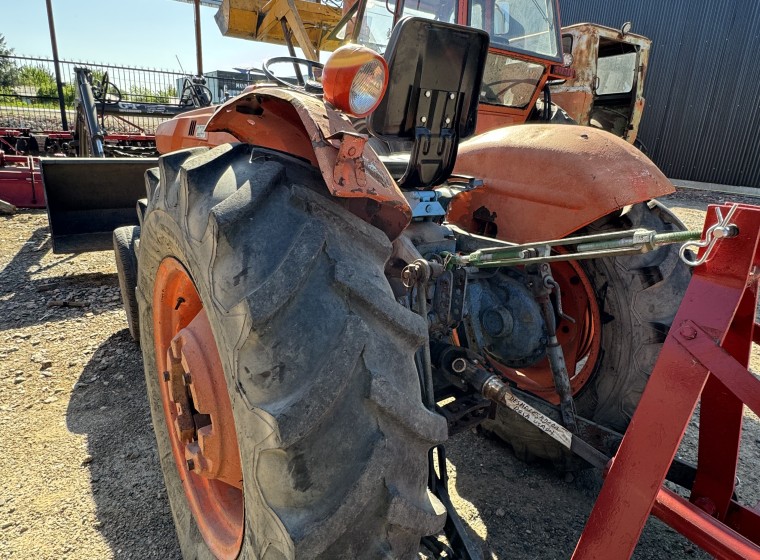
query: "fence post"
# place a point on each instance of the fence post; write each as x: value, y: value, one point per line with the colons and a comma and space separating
x: 61, y: 100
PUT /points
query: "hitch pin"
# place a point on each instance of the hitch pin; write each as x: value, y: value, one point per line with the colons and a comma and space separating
x: 722, y: 229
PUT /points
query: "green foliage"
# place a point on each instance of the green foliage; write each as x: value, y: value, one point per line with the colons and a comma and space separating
x: 51, y: 91
x: 141, y: 94
x: 7, y: 68
x: 97, y: 76
x: 46, y: 88
x: 35, y: 76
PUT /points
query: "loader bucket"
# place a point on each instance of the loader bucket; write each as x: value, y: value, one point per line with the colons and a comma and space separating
x: 87, y: 198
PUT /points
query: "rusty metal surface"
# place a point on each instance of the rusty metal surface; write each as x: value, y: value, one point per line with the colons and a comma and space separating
x: 258, y: 20
x: 546, y: 181
x: 196, y: 372
x: 349, y: 165
x: 701, y: 122
x: 576, y: 95
x: 305, y: 126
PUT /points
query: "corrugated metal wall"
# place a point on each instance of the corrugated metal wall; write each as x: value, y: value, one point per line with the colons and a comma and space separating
x: 702, y: 116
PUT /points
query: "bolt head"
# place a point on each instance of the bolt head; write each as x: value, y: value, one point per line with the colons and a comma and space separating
x: 688, y: 332
x: 427, y: 93
x: 423, y: 119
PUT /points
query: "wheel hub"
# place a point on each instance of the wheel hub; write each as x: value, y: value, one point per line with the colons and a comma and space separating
x: 203, y: 421
x: 197, y: 410
x: 580, y: 340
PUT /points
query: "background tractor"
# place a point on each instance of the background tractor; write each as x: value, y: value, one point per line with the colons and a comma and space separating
x: 607, y: 88
x: 317, y: 310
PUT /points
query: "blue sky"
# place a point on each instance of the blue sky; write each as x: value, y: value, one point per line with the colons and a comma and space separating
x: 127, y: 32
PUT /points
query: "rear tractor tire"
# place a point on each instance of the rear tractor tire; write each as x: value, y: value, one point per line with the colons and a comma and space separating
x: 637, y: 298
x: 315, y: 359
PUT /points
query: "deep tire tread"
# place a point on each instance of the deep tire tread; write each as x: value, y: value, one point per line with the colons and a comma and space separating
x: 319, y: 351
x: 169, y: 167
x: 124, y: 245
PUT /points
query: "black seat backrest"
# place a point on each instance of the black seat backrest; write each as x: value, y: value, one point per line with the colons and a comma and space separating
x: 435, y: 70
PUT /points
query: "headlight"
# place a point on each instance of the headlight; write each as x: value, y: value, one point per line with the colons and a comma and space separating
x: 354, y: 79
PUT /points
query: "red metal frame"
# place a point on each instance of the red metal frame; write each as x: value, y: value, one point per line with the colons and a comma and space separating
x: 704, y: 359
x: 20, y: 179
x: 21, y: 182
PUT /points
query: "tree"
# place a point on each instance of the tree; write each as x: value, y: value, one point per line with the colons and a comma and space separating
x: 40, y: 80
x: 44, y: 84
x: 7, y: 67
x: 36, y: 76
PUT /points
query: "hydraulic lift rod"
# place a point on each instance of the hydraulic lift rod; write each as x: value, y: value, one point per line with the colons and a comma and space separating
x: 494, y: 389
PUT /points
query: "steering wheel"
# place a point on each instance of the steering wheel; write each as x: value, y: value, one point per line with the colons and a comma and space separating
x: 105, y: 92
x: 308, y: 84
x: 496, y: 95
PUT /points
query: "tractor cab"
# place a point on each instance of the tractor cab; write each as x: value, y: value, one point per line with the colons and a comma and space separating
x: 607, y: 89
x: 525, y: 47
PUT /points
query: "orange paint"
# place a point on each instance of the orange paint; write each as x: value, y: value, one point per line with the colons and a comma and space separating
x: 544, y: 181
x: 209, y: 466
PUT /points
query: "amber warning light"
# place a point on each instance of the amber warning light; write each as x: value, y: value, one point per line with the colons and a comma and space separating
x: 354, y: 79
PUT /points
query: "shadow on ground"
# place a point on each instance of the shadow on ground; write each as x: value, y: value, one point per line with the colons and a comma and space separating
x: 528, y: 511
x: 25, y: 288
x: 109, y: 405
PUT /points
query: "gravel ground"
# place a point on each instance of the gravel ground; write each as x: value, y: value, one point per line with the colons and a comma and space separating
x: 80, y: 475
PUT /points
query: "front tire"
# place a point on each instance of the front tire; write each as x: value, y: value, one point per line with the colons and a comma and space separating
x: 125, y: 240
x: 316, y: 354
x: 638, y: 297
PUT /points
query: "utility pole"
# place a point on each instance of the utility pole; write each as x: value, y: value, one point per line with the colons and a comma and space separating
x: 54, y: 43
x: 198, y: 44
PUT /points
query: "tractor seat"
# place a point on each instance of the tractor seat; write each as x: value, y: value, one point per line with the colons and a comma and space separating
x: 396, y: 164
x: 431, y: 103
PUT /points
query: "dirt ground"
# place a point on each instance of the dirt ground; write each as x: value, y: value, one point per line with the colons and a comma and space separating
x: 79, y: 469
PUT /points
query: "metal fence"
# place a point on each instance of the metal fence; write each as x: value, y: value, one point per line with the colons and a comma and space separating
x: 29, y: 100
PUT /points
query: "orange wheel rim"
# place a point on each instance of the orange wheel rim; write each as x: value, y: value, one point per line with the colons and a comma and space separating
x: 197, y: 410
x: 581, y: 341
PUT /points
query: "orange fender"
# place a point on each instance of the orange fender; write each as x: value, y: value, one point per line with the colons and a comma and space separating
x: 305, y: 126
x: 545, y: 181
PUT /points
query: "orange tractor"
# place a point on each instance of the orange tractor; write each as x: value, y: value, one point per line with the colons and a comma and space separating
x: 317, y: 313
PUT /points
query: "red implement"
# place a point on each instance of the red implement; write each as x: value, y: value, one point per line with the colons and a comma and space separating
x: 20, y: 181
x: 704, y: 359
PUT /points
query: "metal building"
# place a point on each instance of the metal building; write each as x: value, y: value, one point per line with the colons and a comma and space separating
x: 702, y: 116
